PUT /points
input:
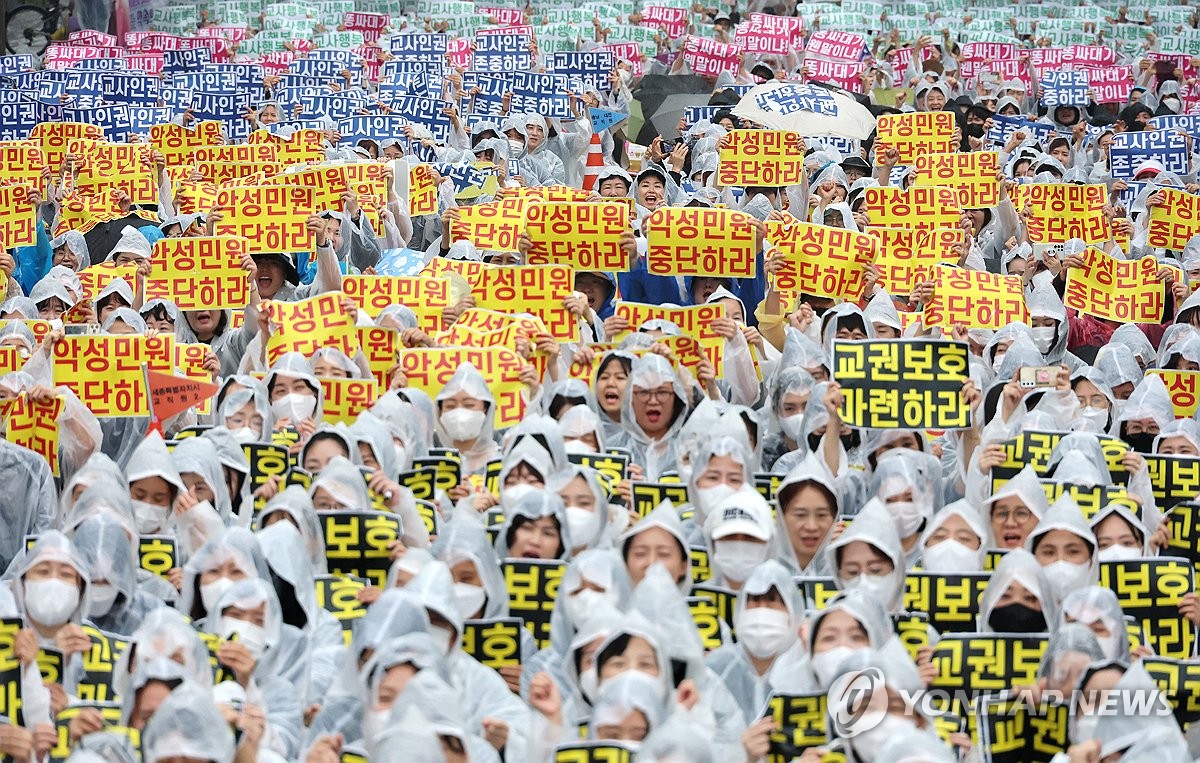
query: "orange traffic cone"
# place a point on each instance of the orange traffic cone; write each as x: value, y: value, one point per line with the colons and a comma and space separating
x: 595, y: 161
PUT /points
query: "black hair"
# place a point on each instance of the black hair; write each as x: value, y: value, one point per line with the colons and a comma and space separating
x: 559, y: 402
x: 625, y: 362
x: 520, y: 521
x: 158, y: 313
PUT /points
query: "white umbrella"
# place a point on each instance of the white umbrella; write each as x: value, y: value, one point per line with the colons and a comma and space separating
x: 812, y: 111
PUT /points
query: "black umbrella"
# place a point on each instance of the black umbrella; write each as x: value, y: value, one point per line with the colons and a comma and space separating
x: 104, y: 236
x: 664, y: 98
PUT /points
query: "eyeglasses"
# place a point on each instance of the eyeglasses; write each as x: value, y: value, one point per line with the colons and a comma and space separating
x: 660, y: 395
x: 1020, y: 516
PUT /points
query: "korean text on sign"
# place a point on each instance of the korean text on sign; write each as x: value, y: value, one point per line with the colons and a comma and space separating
x: 976, y: 299
x: 1121, y: 290
x: 973, y: 175
x: 699, y: 241
x: 915, y: 133
x: 199, y: 273
x: 819, y: 259
x: 271, y: 218
x: 907, y: 384
x: 585, y: 236
x: 761, y: 158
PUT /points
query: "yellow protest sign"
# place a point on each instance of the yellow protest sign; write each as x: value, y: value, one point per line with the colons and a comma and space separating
x: 976, y: 299
x: 429, y: 369
x: 470, y: 270
x: 1184, y: 388
x: 761, y: 158
x: 82, y: 212
x: 496, y: 225
x: 105, y: 371
x: 54, y: 137
x: 239, y: 153
x: 422, y: 193
x: 21, y: 162
x: 1063, y: 211
x: 700, y: 241
x: 199, y: 273
x: 195, y: 197
x: 238, y: 174
x: 1175, y: 221
x: 379, y: 345
x: 819, y: 259
x: 535, y: 289
x: 907, y: 257
x: 919, y: 208
x: 309, y: 325
x: 484, y: 321
x: 34, y: 425
x: 18, y: 216
x: 128, y: 166
x: 177, y: 142
x: 551, y: 193
x: 914, y: 133
x: 695, y: 321
x: 346, y: 398
x: 270, y: 218
x: 328, y: 184
x: 302, y: 147
x: 585, y: 236
x: 426, y: 297
x: 10, y: 359
x: 1120, y: 290
x: 973, y: 175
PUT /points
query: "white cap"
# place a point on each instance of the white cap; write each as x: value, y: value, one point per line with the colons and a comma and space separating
x: 743, y: 513
x: 1150, y: 165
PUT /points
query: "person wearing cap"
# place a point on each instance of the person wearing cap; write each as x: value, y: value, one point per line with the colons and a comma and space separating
x: 1148, y: 170
x: 613, y: 182
x: 738, y: 532
x: 855, y: 168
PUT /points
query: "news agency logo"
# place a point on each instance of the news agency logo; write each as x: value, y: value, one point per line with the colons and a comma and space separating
x: 858, y: 701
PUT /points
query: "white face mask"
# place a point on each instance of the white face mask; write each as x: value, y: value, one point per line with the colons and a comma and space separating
x: 249, y: 635
x: 907, y: 517
x: 1110, y: 644
x: 211, y: 593
x: 1118, y: 553
x: 792, y: 426
x: 463, y: 425
x: 51, y: 602
x: 707, y: 499
x: 374, y: 722
x: 882, y: 586
x: 1043, y: 338
x: 294, y: 407
x: 150, y: 517
x: 1172, y: 103
x: 1092, y: 420
x: 577, y: 446
x: 581, y: 526
x: 826, y: 664
x: 997, y: 361
x: 585, y: 601
x: 738, y: 558
x: 589, y: 685
x: 509, y: 496
x: 1066, y: 577
x: 867, y: 744
x: 469, y: 599
x: 952, y: 556
x: 100, y: 599
x: 442, y: 636
x: 765, y: 632
x: 401, y: 454
x: 244, y: 435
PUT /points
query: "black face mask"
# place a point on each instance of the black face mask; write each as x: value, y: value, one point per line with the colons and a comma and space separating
x: 814, y: 442
x: 1143, y: 442
x: 1017, y: 618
